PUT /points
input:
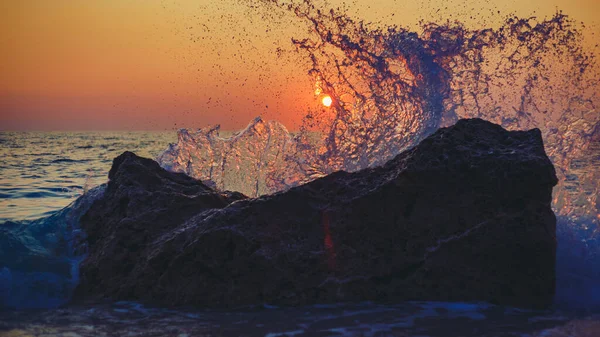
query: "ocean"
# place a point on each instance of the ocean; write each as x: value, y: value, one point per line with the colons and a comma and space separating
x: 43, y: 172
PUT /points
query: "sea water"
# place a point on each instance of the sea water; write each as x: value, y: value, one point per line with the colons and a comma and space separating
x: 42, y: 172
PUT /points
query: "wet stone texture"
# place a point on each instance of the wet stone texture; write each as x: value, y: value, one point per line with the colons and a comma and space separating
x: 463, y: 216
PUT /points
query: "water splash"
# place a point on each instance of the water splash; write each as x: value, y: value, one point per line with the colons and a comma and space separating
x: 257, y: 160
x: 391, y: 87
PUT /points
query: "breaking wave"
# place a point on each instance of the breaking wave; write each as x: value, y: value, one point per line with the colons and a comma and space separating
x: 40, y: 259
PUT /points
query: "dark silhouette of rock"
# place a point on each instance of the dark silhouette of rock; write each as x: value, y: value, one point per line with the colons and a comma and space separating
x: 463, y: 216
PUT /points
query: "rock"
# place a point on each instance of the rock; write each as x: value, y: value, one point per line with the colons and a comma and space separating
x: 463, y: 216
x: 142, y: 204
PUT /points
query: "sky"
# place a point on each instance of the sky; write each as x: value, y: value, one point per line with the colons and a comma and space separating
x: 163, y: 65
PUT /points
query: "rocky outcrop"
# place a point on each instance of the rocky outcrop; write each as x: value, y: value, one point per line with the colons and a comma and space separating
x: 465, y: 215
x: 142, y: 204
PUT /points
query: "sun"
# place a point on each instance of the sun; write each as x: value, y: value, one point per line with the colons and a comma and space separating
x: 327, y: 101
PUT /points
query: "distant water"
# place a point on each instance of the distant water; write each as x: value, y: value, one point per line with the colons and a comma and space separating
x: 42, y: 172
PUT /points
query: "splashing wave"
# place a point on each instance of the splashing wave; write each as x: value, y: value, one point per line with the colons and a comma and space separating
x: 391, y: 87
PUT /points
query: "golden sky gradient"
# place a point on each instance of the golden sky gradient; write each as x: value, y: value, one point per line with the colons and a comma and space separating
x: 152, y: 64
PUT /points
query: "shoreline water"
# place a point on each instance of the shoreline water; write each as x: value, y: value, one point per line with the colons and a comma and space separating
x: 359, y: 319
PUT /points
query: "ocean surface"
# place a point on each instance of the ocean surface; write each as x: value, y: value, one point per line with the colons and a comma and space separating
x: 418, y: 319
x: 42, y: 172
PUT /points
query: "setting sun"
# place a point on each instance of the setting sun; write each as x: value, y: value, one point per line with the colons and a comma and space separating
x: 327, y: 101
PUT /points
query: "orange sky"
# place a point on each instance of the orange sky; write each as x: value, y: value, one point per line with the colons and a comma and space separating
x: 156, y: 64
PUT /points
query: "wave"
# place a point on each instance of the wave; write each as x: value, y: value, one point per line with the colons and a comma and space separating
x: 67, y: 160
x: 40, y: 259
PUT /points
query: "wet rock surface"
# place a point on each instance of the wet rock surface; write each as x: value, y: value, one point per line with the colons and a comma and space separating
x: 463, y: 216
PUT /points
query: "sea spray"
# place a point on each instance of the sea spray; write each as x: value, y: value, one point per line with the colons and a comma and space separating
x: 391, y: 87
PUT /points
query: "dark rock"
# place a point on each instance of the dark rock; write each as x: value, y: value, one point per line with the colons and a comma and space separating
x: 142, y: 203
x: 463, y: 216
